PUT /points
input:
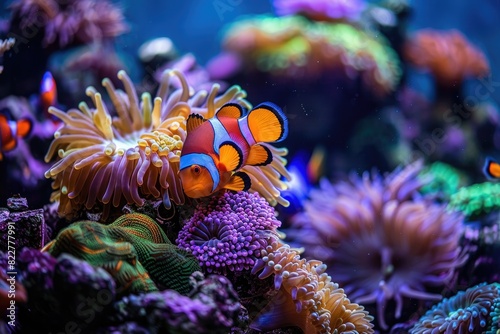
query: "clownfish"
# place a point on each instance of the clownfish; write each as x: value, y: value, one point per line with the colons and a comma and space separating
x: 48, y: 94
x: 491, y: 169
x: 10, y: 131
x: 216, y: 149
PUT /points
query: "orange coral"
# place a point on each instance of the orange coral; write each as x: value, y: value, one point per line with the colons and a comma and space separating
x: 448, y: 55
x: 311, y: 289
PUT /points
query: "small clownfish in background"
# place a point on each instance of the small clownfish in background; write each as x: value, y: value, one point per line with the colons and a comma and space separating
x: 491, y: 169
x: 48, y: 94
x: 11, y: 131
x: 216, y: 149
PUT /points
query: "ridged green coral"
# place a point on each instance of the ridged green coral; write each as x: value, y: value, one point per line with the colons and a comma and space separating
x: 443, y: 181
x: 476, y: 200
x: 133, y: 249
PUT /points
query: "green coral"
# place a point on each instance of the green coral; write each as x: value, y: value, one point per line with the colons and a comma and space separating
x: 286, y: 43
x: 476, y: 200
x: 133, y: 249
x: 444, y: 181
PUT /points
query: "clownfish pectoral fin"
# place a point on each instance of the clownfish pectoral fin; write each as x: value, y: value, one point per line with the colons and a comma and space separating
x: 232, y: 110
x: 491, y: 169
x: 24, y: 126
x: 240, y: 181
x: 259, y: 155
x: 267, y: 123
x: 194, y: 121
x: 230, y: 157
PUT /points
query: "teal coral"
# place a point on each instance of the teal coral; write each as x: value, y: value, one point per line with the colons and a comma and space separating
x: 296, y: 47
x: 133, y: 249
x: 472, y: 311
x: 476, y: 200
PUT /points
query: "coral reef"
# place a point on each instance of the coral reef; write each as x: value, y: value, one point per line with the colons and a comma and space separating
x: 28, y: 225
x: 212, y: 307
x: 294, y: 47
x: 67, y: 287
x: 133, y: 249
x: 472, y: 311
x: 227, y: 233
x: 70, y: 22
x: 380, y: 241
x: 319, y: 304
x: 448, y: 55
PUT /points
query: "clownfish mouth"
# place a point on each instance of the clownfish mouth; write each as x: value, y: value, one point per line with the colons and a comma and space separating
x: 197, y: 191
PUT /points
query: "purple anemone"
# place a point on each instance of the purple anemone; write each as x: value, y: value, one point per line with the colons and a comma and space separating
x: 380, y: 240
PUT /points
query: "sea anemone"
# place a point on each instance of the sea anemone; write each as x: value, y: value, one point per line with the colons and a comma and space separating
x: 382, y: 243
x: 323, y: 304
x: 448, y: 55
x: 228, y: 232
x: 135, y: 155
x: 70, y: 22
x: 321, y: 10
x: 5, y: 45
x: 472, y: 311
x: 293, y: 47
x: 137, y: 152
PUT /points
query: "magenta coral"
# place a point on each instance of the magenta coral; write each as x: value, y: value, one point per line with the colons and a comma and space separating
x: 229, y: 232
x: 380, y: 241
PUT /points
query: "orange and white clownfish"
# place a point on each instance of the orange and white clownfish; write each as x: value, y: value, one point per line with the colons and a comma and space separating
x: 491, y: 169
x: 11, y: 131
x: 216, y: 149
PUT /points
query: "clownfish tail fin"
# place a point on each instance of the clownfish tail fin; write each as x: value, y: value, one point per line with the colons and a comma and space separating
x: 267, y: 123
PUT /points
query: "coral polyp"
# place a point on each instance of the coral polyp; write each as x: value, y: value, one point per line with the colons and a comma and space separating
x: 311, y: 292
x: 131, y: 156
x: 228, y: 233
x: 475, y: 310
x: 380, y: 241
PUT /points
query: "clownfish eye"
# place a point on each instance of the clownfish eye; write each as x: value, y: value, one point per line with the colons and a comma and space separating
x: 196, y: 169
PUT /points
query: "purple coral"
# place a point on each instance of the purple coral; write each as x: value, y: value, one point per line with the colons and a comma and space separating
x: 213, y: 307
x: 322, y: 10
x: 70, y: 22
x: 380, y: 241
x: 229, y: 232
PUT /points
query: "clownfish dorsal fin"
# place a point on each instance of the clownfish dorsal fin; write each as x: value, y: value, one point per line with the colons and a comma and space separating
x: 267, y: 123
x: 231, y: 110
x: 259, y: 155
x: 491, y: 168
x: 230, y: 157
x: 194, y: 121
x: 240, y: 181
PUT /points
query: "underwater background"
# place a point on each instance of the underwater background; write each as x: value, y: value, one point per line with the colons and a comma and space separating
x: 234, y: 166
